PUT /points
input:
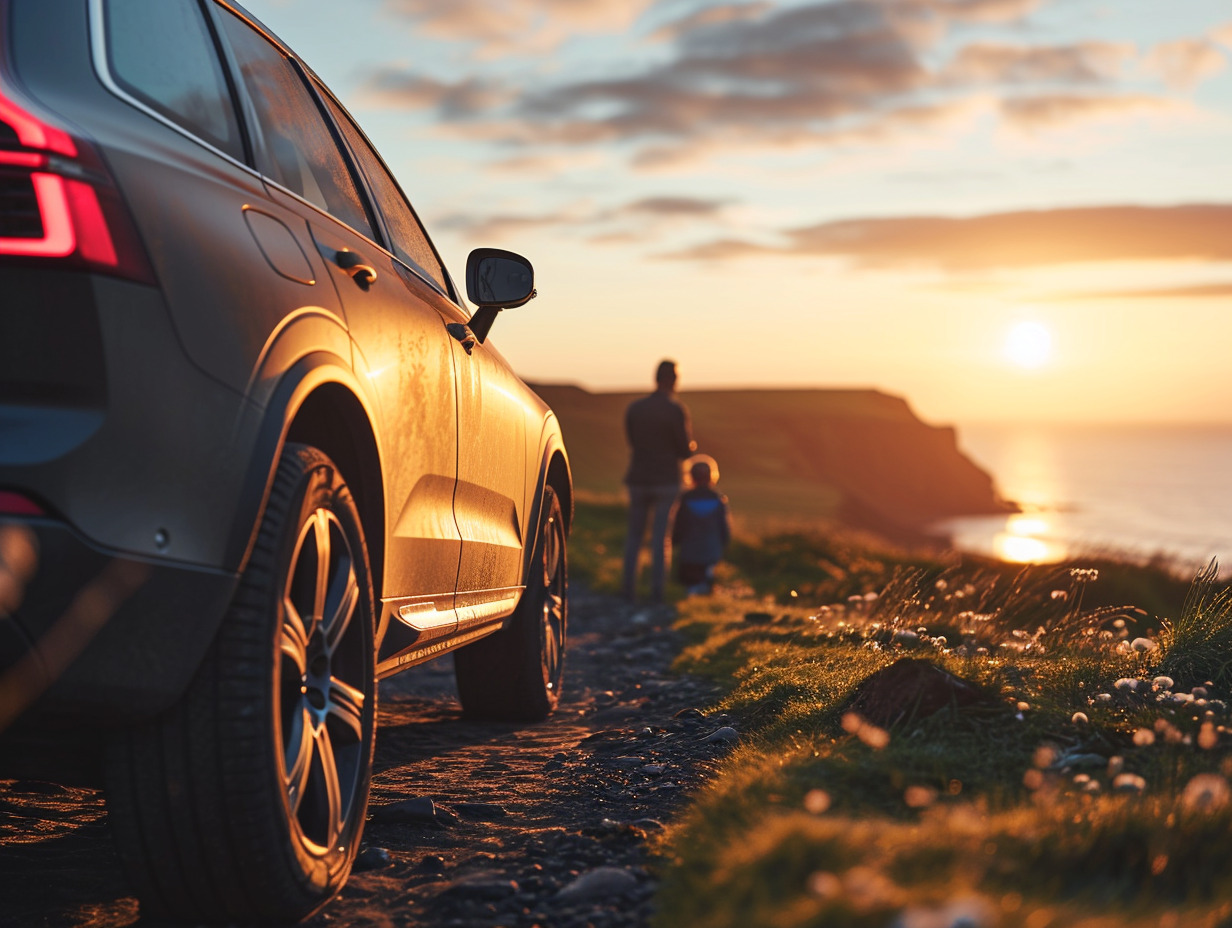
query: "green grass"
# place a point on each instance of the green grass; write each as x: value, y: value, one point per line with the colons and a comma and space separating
x: 1007, y: 812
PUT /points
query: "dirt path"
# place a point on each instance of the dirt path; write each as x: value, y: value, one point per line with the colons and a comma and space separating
x: 470, y: 824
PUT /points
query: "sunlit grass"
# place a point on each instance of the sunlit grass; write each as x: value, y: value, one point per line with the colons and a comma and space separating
x: 1088, y: 787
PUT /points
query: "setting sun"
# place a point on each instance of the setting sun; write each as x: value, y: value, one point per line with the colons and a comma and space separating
x: 1029, y: 345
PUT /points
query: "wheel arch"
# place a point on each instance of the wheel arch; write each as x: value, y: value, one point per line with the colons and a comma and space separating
x: 553, y: 471
x: 332, y: 419
x: 318, y: 402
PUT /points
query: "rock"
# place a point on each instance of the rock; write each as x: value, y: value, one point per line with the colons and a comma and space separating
x: 690, y: 713
x: 484, y: 886
x: 628, y: 763
x: 653, y: 770
x: 1079, y: 760
x: 432, y: 864
x: 905, y: 637
x: 480, y: 811
x: 418, y: 811
x: 911, y: 689
x: 725, y: 735
x: 372, y: 858
x: 598, y: 884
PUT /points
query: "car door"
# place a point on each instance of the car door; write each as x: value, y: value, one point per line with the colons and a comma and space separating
x: 489, y: 502
x: 400, y: 347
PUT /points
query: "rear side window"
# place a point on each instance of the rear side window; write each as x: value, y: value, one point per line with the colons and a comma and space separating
x: 410, y: 242
x: 295, y: 147
x: 162, y: 53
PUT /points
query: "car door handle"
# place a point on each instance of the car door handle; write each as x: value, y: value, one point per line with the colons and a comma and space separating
x: 463, y: 334
x: 353, y: 263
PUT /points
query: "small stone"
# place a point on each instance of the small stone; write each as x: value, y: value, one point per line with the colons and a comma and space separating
x: 432, y: 864
x: 600, y: 883
x: 480, y: 811
x: 1143, y: 645
x: 418, y: 811
x: 481, y: 886
x: 646, y: 733
x: 906, y: 637
x: 628, y: 762
x: 725, y: 735
x: 372, y: 858
x: 653, y: 770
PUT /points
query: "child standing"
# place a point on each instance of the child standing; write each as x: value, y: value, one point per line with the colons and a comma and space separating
x: 702, y: 529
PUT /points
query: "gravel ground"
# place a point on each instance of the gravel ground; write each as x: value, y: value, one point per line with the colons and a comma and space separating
x: 471, y: 825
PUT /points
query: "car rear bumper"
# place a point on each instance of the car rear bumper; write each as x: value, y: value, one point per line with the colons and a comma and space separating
x: 92, y: 638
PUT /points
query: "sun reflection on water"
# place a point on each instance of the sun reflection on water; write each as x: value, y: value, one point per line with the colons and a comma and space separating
x: 1026, y: 540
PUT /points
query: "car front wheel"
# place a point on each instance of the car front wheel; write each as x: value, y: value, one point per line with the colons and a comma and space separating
x: 245, y: 802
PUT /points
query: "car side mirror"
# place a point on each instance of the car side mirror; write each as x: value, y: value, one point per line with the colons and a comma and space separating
x: 496, y: 280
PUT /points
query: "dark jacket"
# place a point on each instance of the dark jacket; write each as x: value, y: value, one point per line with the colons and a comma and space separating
x: 660, y: 437
x: 702, y: 529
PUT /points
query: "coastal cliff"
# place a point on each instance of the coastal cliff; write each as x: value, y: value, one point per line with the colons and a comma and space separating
x: 860, y: 457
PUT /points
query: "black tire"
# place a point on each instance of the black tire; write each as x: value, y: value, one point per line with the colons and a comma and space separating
x: 245, y: 803
x: 515, y: 674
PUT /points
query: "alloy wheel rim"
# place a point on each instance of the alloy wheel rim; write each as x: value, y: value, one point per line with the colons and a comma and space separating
x: 552, y: 627
x: 320, y: 688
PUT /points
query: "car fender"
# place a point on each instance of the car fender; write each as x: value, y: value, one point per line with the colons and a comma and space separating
x: 270, y: 424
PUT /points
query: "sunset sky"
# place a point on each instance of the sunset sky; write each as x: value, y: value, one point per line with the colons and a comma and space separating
x: 999, y: 209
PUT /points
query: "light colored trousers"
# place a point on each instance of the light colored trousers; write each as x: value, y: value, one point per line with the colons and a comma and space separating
x: 642, y: 498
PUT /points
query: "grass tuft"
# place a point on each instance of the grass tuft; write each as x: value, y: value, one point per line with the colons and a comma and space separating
x: 1198, y: 645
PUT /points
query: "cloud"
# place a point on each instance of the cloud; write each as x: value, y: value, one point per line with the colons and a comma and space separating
x: 1004, y: 240
x: 1185, y: 63
x: 730, y: 77
x: 1195, y: 291
x: 500, y: 226
x: 1080, y: 63
x: 392, y: 86
x: 675, y: 206
x: 845, y: 71
x: 516, y: 25
x: 1051, y: 110
x: 648, y: 214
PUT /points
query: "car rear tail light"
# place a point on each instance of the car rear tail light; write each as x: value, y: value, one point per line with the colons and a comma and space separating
x: 14, y: 504
x: 59, y: 203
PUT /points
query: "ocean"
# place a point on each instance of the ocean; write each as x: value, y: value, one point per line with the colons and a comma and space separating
x: 1133, y: 491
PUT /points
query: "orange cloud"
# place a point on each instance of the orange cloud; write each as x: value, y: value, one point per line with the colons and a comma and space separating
x: 517, y: 25
x: 1005, y: 240
x: 1048, y: 110
x: 1185, y: 63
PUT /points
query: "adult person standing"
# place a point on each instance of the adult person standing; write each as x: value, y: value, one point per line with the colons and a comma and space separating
x: 660, y: 437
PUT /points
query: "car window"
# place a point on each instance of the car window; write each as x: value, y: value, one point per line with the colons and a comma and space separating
x: 296, y: 147
x: 162, y: 53
x: 410, y: 242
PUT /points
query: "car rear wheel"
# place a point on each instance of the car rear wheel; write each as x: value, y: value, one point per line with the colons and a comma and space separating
x: 515, y: 674
x: 245, y: 802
